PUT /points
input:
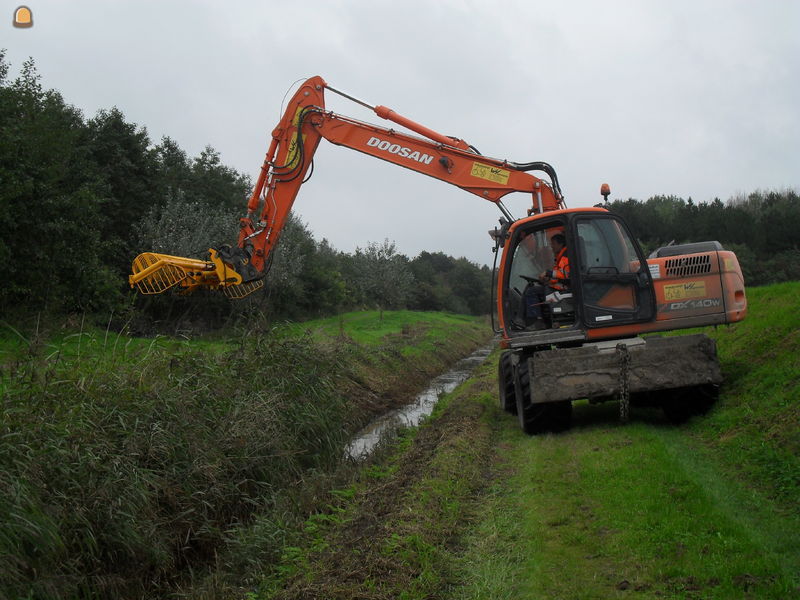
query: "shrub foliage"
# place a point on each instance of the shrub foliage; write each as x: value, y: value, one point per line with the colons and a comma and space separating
x: 82, y: 197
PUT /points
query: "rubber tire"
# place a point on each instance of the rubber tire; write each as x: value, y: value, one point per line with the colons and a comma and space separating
x: 505, y: 380
x: 540, y: 417
x: 532, y: 417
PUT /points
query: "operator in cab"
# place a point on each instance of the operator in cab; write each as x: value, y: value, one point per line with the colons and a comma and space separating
x: 558, y: 277
x: 555, y: 279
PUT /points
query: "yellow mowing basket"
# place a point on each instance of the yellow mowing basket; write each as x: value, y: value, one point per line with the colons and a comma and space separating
x: 154, y: 273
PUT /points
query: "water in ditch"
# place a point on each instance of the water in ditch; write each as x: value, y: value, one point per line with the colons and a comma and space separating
x: 412, y: 414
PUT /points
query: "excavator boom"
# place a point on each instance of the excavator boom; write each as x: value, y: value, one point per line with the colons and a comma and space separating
x: 286, y: 165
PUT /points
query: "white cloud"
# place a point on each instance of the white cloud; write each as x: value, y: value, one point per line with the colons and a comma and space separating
x: 695, y: 98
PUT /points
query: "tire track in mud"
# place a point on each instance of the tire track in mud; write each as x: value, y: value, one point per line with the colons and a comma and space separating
x: 402, y: 529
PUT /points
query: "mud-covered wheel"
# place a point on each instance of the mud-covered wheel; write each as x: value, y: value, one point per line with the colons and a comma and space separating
x: 505, y: 380
x: 533, y: 418
x: 682, y: 404
x: 540, y: 417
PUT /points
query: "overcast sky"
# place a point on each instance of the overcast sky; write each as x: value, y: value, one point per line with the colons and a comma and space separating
x: 693, y: 98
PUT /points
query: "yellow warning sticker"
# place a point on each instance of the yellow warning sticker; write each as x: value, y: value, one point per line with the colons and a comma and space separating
x: 681, y: 291
x: 292, y: 156
x: 297, y: 113
x: 495, y: 174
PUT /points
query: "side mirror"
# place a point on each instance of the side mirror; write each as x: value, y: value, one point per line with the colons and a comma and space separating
x: 642, y: 277
x: 500, y: 235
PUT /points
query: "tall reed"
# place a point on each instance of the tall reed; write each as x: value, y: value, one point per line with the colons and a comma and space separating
x: 122, y: 463
x: 127, y: 466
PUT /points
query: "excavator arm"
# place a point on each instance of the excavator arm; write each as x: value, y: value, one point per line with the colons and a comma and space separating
x: 240, y: 270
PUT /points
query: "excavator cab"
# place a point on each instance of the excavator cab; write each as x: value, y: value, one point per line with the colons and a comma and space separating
x: 609, y: 282
x: 533, y: 303
x: 615, y: 283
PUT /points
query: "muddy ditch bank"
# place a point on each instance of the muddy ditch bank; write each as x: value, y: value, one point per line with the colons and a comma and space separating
x: 410, y: 415
x: 151, y: 469
x: 398, y: 533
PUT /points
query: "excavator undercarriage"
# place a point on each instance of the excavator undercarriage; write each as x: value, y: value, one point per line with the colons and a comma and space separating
x: 680, y: 374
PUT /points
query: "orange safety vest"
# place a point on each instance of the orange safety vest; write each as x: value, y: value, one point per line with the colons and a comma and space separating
x: 560, y: 271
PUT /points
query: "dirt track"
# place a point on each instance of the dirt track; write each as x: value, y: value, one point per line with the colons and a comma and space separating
x: 471, y: 508
x: 399, y: 512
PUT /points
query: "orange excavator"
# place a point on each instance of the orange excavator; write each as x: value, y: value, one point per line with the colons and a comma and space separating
x: 580, y: 337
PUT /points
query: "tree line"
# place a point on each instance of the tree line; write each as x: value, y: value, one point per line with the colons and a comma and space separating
x: 761, y: 227
x: 80, y: 197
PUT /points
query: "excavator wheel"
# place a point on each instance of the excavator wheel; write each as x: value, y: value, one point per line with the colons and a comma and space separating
x: 539, y: 417
x: 505, y: 379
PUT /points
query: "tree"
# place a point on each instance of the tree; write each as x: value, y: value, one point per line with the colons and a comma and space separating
x: 215, y: 185
x: 760, y: 227
x: 472, y: 285
x: 174, y: 168
x: 384, y: 277
x: 288, y: 290
x: 126, y: 168
x: 446, y: 283
x: 52, y: 252
x: 185, y: 227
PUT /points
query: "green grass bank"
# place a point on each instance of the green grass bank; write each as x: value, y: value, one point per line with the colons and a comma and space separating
x: 468, y: 507
x: 755, y: 428
x: 135, y: 467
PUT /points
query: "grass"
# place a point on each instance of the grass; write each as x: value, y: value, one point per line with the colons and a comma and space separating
x: 606, y: 511
x: 130, y: 467
x: 144, y: 460
x: 374, y: 329
x: 471, y: 508
x: 754, y: 429
x: 707, y: 510
x: 396, y: 535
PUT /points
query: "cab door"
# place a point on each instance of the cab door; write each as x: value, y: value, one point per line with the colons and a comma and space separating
x: 612, y: 281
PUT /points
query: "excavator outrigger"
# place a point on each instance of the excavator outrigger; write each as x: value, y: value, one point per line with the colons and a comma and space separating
x: 590, y: 346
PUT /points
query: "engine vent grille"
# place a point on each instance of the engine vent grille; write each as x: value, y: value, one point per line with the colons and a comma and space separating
x: 688, y: 265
